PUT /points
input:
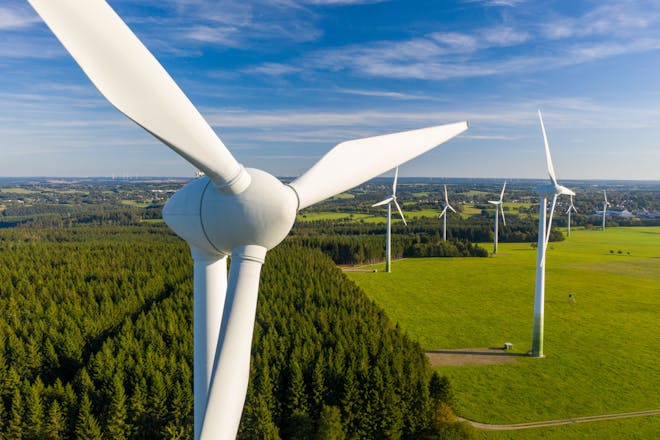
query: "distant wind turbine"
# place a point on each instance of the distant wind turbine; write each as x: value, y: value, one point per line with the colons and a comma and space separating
x: 568, y: 211
x: 553, y: 189
x: 443, y: 215
x: 500, y: 208
x: 605, y: 205
x: 389, y: 200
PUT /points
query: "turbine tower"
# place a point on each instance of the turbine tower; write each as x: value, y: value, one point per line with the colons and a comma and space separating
x: 443, y: 215
x: 231, y: 210
x: 605, y: 205
x: 568, y: 211
x: 553, y: 189
x: 500, y: 208
x: 389, y: 200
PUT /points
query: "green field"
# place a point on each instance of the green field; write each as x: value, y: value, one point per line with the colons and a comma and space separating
x: 602, y: 350
x: 315, y: 216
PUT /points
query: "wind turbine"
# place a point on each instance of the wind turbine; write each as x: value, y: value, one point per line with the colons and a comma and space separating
x: 500, y: 208
x: 568, y: 211
x: 389, y: 200
x: 553, y: 189
x: 232, y: 210
x: 443, y: 215
x: 605, y: 205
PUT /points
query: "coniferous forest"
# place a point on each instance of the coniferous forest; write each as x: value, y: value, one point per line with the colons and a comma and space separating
x: 96, y: 342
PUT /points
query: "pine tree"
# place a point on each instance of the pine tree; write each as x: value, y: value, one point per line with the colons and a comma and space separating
x: 15, y: 425
x: 56, y: 422
x: 35, y: 410
x: 118, y: 427
x: 87, y: 428
x: 330, y: 427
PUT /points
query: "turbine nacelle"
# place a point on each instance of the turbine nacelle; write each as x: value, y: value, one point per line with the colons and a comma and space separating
x: 217, y: 222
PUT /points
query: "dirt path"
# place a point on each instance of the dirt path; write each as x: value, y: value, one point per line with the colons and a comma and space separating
x: 472, y: 356
x: 530, y: 425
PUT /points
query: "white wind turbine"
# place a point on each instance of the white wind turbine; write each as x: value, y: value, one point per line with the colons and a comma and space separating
x: 568, y: 211
x: 498, y: 209
x: 389, y: 200
x: 232, y: 210
x: 443, y: 215
x: 605, y: 205
x: 553, y: 189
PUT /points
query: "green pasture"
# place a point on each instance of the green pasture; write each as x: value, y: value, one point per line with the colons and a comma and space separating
x: 135, y: 203
x: 344, y: 196
x: 316, y: 216
x: 601, y: 351
x: 469, y: 211
x: 16, y: 191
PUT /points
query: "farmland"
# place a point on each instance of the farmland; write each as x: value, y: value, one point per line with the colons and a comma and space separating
x: 601, y: 350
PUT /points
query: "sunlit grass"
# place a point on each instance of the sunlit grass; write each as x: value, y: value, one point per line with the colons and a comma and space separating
x: 602, y: 350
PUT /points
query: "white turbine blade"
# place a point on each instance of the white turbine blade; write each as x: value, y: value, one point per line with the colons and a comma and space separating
x: 494, y: 202
x: 129, y: 76
x: 400, y: 212
x: 502, y: 193
x: 210, y: 286
x: 548, y: 159
x: 502, y: 214
x: 231, y: 369
x: 396, y: 177
x: 552, y: 210
x: 446, y: 197
x: 444, y: 211
x: 562, y: 190
x: 450, y: 207
x: 353, y: 162
x: 383, y: 202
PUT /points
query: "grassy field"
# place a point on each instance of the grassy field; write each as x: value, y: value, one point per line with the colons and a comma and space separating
x: 601, y: 351
x: 315, y: 216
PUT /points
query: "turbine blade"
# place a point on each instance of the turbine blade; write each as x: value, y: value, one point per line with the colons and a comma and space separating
x: 502, y: 214
x: 210, y: 286
x: 552, y: 210
x: 353, y: 162
x: 605, y: 194
x: 400, y: 212
x: 231, y: 369
x: 450, y: 207
x: 446, y: 197
x: 548, y: 158
x: 383, y: 202
x: 444, y: 211
x: 502, y: 193
x: 129, y: 76
x: 396, y: 177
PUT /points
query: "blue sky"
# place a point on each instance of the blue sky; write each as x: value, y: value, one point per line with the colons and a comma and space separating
x: 283, y: 81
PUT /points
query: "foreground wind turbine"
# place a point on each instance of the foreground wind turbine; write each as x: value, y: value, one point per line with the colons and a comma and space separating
x: 232, y: 210
x: 553, y: 189
x: 568, y: 211
x: 389, y: 200
x: 605, y: 205
x: 500, y: 208
x: 443, y: 215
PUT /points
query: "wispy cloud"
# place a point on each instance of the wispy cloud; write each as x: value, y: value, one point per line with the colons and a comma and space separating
x: 15, y: 17
x: 491, y: 3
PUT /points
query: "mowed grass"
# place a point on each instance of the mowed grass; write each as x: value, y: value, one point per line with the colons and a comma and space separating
x: 602, y: 351
x: 316, y: 216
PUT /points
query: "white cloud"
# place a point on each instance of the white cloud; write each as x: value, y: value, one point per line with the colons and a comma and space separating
x: 12, y: 17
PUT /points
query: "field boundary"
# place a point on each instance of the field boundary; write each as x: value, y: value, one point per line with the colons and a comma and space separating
x: 548, y: 423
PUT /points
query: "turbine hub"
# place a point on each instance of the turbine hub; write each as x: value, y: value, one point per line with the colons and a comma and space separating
x: 217, y: 222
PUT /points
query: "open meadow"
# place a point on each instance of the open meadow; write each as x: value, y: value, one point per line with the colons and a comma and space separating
x: 601, y: 350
